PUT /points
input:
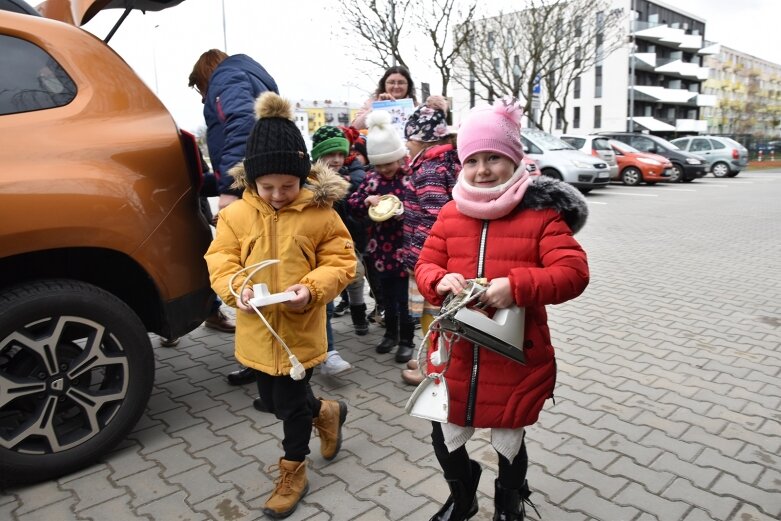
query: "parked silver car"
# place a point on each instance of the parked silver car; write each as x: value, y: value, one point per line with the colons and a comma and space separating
x: 559, y: 160
x: 726, y: 157
x: 597, y: 146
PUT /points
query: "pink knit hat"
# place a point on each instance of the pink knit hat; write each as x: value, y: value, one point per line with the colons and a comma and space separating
x: 492, y: 128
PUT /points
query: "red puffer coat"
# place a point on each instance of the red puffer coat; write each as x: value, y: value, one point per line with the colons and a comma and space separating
x: 534, y: 247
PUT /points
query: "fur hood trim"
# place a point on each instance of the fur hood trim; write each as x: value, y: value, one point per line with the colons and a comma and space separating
x: 326, y: 185
x: 545, y: 192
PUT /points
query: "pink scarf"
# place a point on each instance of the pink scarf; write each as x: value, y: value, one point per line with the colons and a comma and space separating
x: 491, y: 203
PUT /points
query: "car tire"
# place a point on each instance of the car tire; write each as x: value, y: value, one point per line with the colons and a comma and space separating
x: 677, y: 173
x: 553, y: 174
x: 733, y: 174
x: 631, y: 176
x: 77, y: 368
x: 720, y: 169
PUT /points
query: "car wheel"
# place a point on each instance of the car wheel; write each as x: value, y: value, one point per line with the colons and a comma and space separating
x: 76, y: 371
x: 720, y: 169
x: 631, y: 176
x: 584, y: 191
x: 733, y: 174
x: 552, y: 173
x: 677, y: 173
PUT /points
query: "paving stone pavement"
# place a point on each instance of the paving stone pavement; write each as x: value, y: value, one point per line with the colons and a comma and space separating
x: 667, y: 403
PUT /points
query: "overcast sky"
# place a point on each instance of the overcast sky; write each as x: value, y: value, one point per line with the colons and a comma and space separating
x: 299, y: 43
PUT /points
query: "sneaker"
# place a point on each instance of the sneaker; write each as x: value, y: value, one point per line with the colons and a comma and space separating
x: 170, y: 342
x: 221, y: 322
x: 334, y: 365
x: 341, y: 308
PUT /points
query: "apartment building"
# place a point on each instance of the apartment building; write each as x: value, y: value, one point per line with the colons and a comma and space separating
x: 652, y: 82
x: 748, y: 94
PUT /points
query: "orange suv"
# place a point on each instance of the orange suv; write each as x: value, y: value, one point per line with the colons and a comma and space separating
x: 101, y: 239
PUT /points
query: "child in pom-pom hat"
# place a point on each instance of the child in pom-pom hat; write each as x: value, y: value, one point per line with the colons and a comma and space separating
x: 518, y: 234
x: 389, y: 176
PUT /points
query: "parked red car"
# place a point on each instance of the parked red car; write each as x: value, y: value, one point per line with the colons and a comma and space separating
x: 635, y: 167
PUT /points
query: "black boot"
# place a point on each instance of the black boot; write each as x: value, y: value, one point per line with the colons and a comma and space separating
x: 406, y: 341
x: 360, y: 324
x: 391, y: 337
x: 462, y: 502
x: 243, y: 376
x: 509, y: 503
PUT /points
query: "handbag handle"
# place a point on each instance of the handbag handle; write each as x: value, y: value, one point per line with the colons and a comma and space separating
x: 451, y: 306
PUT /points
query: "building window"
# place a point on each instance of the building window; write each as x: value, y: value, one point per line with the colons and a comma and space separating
x: 576, y: 88
x: 559, y: 118
x: 576, y: 118
x: 598, y: 81
x: 491, y: 39
x: 578, y: 57
x: 597, y: 116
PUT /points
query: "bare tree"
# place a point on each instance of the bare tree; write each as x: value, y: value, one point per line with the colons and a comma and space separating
x: 437, y: 19
x: 382, y: 24
x: 544, y: 47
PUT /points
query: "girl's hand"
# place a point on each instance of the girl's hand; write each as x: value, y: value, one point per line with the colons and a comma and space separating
x: 372, y: 200
x: 246, y: 295
x: 499, y: 294
x: 383, y: 96
x: 451, y: 283
x: 302, y: 297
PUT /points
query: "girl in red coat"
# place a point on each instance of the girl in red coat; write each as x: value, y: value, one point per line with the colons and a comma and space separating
x: 518, y: 234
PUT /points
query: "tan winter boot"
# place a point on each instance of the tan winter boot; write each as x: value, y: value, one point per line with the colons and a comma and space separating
x: 329, y: 427
x: 292, y: 485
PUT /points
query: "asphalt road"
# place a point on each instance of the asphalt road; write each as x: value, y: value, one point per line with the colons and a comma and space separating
x: 667, y: 403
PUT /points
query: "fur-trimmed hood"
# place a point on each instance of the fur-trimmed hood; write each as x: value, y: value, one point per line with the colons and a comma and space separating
x: 545, y: 192
x: 326, y: 185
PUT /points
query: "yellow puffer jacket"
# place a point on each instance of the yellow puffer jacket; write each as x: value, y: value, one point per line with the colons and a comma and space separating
x: 314, y: 249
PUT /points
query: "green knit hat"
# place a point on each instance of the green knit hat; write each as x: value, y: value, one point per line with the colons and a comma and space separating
x: 327, y: 139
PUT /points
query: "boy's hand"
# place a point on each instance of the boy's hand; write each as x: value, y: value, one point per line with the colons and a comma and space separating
x: 451, y: 282
x: 246, y: 295
x: 499, y: 294
x: 302, y: 297
x: 372, y: 200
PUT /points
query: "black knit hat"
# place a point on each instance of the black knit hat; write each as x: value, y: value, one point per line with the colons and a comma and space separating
x: 275, y: 145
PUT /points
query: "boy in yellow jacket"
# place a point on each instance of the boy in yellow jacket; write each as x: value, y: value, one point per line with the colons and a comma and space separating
x: 285, y: 213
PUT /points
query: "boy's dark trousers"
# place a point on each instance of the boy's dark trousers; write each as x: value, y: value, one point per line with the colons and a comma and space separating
x: 293, y: 402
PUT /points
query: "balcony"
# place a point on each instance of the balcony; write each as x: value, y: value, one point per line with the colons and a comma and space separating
x: 684, y: 69
x: 668, y: 35
x: 663, y: 95
x: 691, y: 125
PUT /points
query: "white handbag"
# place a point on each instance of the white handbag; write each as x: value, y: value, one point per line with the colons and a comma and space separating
x: 429, y: 400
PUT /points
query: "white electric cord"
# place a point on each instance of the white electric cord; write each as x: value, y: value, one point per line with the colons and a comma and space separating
x: 297, y: 370
x: 452, y: 306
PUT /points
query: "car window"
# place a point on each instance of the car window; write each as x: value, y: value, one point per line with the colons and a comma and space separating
x: 643, y: 144
x: 530, y: 147
x: 682, y: 143
x: 700, y: 145
x: 600, y: 144
x: 576, y: 142
x: 38, y: 82
x: 622, y: 148
x: 732, y: 142
x: 717, y: 145
x: 547, y: 141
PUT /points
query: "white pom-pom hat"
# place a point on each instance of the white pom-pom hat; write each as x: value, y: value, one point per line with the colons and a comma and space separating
x: 383, y: 144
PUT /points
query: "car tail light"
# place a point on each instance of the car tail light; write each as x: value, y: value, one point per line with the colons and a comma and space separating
x: 735, y: 153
